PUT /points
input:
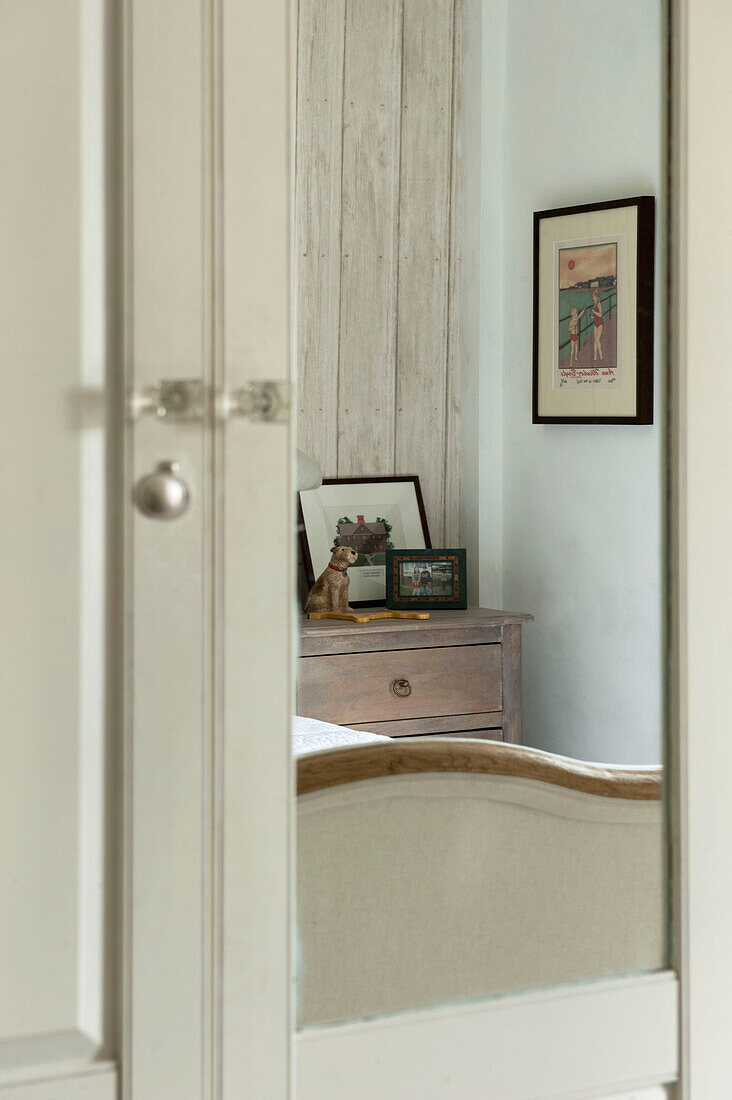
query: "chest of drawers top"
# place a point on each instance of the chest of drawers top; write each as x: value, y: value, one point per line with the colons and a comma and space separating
x: 476, y: 626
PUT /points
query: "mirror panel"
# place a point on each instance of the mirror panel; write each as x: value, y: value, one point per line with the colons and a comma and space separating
x: 480, y: 802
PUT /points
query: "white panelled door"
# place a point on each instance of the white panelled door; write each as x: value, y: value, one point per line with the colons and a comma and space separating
x: 207, y: 283
x: 145, y: 216
x: 57, y: 1018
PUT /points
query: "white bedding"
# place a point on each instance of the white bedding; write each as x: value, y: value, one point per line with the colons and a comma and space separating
x: 311, y: 735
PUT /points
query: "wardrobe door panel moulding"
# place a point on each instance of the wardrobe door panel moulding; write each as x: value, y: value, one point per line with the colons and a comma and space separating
x: 168, y: 756
x: 56, y: 1015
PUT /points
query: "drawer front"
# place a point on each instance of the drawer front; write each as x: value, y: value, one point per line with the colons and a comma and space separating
x: 474, y: 735
x: 359, y: 687
x: 447, y: 724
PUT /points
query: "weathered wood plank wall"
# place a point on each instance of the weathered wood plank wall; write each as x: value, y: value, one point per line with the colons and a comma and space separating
x: 377, y: 164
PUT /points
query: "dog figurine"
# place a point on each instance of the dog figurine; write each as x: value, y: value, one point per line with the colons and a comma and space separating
x: 330, y: 591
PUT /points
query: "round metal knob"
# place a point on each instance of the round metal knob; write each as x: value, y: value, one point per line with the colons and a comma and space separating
x: 162, y: 494
x: 402, y: 688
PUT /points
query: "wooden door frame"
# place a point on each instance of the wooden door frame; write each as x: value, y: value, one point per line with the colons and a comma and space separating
x: 700, y: 752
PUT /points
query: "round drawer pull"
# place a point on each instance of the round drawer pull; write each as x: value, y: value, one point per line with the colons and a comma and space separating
x: 402, y: 688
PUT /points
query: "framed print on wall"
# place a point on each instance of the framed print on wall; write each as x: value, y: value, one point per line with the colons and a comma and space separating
x: 593, y: 313
x: 371, y: 514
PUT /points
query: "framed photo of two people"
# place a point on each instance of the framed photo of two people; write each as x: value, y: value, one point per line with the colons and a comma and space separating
x: 593, y: 313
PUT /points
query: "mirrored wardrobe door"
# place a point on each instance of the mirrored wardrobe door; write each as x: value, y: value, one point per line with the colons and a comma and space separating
x: 481, y: 260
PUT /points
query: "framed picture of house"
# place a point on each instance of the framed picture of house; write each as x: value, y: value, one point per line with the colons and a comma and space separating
x: 593, y: 313
x: 370, y: 514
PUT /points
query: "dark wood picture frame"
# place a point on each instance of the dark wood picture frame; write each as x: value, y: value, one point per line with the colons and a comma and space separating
x: 458, y: 601
x: 302, y: 533
x: 645, y: 266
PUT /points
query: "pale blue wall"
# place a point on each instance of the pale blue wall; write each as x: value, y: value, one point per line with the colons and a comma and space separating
x: 581, y: 509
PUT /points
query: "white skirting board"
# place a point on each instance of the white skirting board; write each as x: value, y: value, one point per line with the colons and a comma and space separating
x: 574, y: 1042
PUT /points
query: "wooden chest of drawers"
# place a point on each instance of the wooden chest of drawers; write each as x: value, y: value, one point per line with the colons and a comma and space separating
x: 457, y: 673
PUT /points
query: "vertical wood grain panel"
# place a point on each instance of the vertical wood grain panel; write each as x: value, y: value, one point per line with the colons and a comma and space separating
x: 371, y: 110
x: 318, y: 224
x: 424, y: 234
x: 379, y: 336
x: 452, y: 381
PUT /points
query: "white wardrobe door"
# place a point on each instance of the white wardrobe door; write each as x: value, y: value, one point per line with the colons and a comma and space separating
x: 254, y: 172
x: 56, y: 1015
x: 207, y: 290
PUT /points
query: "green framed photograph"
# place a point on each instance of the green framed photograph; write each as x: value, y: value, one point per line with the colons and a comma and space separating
x: 426, y: 580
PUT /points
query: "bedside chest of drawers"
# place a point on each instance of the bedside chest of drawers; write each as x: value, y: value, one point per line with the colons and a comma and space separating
x: 456, y: 674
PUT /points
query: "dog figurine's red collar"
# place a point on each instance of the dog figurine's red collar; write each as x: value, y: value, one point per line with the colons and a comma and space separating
x: 338, y: 568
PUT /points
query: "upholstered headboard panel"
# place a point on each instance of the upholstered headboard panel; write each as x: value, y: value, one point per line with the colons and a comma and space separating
x: 441, y: 875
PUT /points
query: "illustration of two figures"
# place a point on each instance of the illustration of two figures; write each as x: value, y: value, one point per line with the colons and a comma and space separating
x: 574, y: 330
x: 587, y: 305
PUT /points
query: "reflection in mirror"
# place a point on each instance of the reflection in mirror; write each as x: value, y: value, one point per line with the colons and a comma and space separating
x: 480, y: 791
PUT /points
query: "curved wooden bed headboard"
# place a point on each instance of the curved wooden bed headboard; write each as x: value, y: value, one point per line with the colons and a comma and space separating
x: 467, y: 877
x: 351, y: 764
